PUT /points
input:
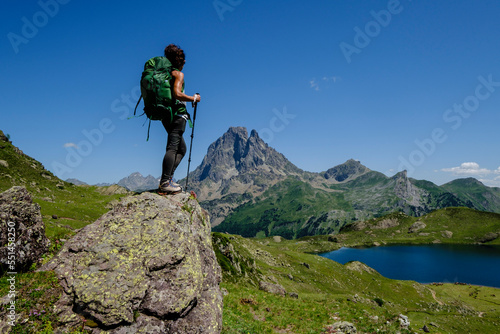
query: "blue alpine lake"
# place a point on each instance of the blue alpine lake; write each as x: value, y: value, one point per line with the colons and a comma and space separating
x: 471, y: 264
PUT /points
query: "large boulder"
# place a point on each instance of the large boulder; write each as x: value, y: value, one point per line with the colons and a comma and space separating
x: 147, y: 266
x: 490, y: 236
x: 385, y: 224
x: 417, y: 226
x: 272, y: 288
x: 22, y: 232
x: 342, y: 327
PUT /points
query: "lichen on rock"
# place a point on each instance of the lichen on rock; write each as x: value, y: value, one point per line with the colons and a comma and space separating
x: 146, y: 266
x: 22, y: 232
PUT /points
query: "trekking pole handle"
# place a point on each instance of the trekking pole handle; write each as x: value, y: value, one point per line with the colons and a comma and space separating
x: 195, y: 97
x: 195, y: 104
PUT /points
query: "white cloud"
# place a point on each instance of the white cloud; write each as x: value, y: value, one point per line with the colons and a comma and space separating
x: 469, y: 168
x: 472, y: 169
x: 334, y: 79
x: 314, y: 84
x: 491, y: 182
x: 70, y: 145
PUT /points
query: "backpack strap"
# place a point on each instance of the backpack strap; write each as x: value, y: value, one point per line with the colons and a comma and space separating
x: 137, y: 104
x: 149, y: 126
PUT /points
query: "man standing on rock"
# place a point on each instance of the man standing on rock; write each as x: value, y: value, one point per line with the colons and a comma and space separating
x: 176, y: 146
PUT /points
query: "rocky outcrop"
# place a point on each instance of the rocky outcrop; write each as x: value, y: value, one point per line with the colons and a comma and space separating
x: 447, y: 234
x: 359, y: 267
x: 3, y: 137
x: 235, y: 263
x: 22, y: 232
x: 147, y: 266
x: 490, y: 236
x: 405, y: 190
x: 342, y: 327
x: 417, y: 226
x: 356, y: 226
x: 385, y: 224
x: 272, y: 288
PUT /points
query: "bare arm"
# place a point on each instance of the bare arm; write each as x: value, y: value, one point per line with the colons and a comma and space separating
x: 177, y: 89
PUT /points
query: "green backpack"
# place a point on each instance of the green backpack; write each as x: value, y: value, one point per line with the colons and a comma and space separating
x: 156, y: 90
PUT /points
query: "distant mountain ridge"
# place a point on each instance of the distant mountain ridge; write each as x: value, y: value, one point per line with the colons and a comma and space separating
x: 484, y: 198
x: 249, y: 188
x: 134, y: 182
x: 137, y: 182
x: 76, y: 182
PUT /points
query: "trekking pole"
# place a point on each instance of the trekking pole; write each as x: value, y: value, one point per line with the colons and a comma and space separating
x: 191, y: 145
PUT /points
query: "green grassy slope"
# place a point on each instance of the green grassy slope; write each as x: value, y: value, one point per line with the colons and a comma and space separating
x: 329, y: 292
x: 485, y: 198
x: 449, y: 225
x: 284, y: 208
x: 293, y: 208
x: 64, y: 206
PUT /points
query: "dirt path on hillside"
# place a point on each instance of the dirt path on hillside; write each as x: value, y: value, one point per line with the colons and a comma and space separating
x: 435, y: 298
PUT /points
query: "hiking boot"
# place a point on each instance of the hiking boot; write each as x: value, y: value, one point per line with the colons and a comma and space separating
x: 169, y: 188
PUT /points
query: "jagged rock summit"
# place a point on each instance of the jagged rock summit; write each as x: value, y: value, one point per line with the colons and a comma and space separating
x: 235, y: 153
x: 147, y: 266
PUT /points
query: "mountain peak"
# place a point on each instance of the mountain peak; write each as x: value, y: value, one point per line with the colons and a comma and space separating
x: 346, y: 171
x: 400, y: 175
x: 254, y: 133
x: 235, y: 152
x: 468, y: 181
x: 137, y: 182
x: 240, y: 130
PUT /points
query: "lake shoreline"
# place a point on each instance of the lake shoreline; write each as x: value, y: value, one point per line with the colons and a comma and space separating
x: 427, y: 264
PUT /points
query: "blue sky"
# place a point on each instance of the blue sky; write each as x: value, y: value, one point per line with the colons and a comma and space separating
x: 394, y: 84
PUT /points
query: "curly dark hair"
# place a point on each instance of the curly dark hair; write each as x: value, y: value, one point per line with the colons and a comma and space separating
x: 176, y: 55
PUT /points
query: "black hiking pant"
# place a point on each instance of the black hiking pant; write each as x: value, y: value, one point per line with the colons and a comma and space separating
x: 176, y: 147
